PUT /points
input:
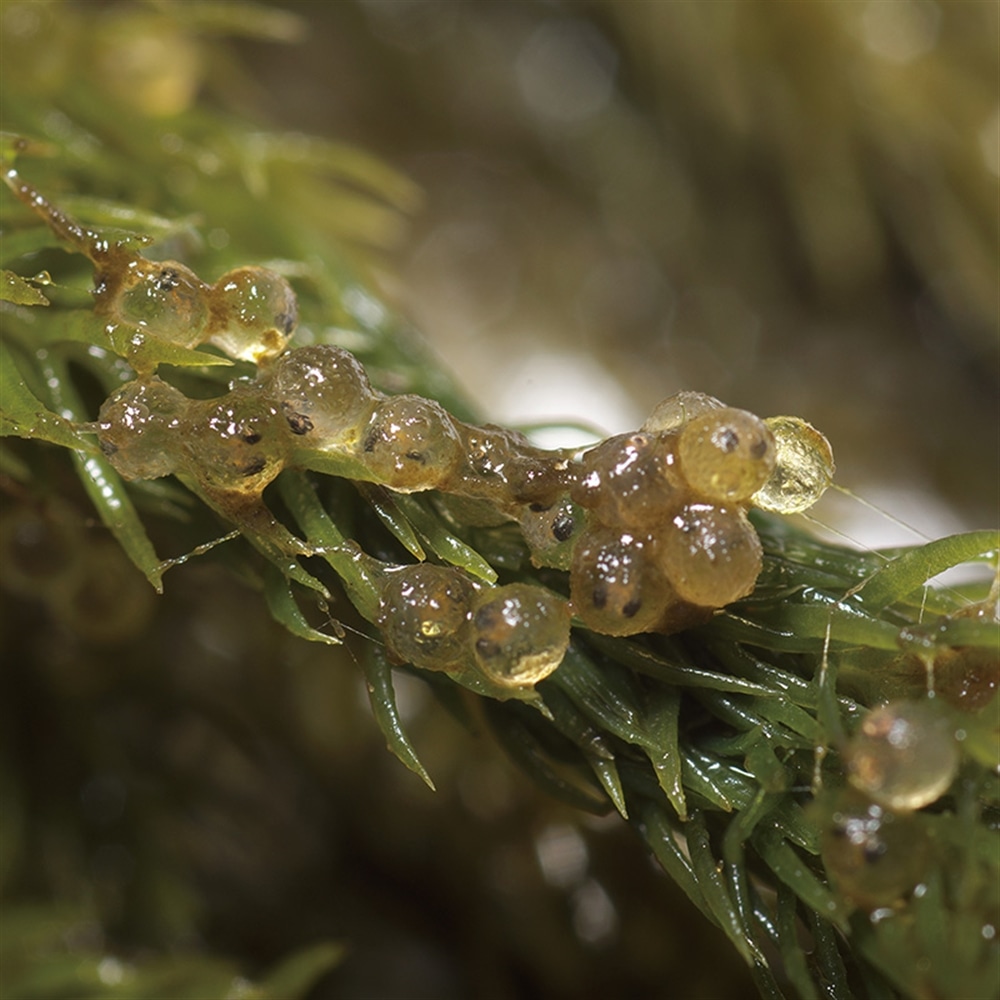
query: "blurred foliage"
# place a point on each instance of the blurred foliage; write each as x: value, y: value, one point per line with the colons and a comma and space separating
x: 193, y: 804
x: 769, y: 201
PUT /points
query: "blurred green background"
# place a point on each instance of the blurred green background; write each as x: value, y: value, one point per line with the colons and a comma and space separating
x: 792, y: 206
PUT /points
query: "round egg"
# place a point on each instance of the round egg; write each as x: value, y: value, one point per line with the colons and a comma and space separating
x: 672, y: 413
x: 254, y: 313
x: 903, y: 755
x: 803, y: 467
x: 323, y: 394
x: 631, y: 480
x: 616, y: 584
x: 874, y: 857
x: 410, y: 444
x: 726, y: 455
x: 164, y: 299
x: 424, y: 613
x: 234, y: 443
x: 711, y: 555
x: 139, y: 428
x: 520, y: 633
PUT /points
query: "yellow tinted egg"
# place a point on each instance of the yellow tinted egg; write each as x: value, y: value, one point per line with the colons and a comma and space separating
x: 616, y: 585
x: 520, y: 633
x: 874, y: 857
x: 803, y: 467
x: 489, y: 457
x: 726, y: 455
x: 235, y: 443
x: 323, y: 394
x: 711, y: 555
x: 255, y: 313
x: 631, y: 480
x: 410, y: 443
x: 672, y: 413
x: 903, y: 755
x: 424, y: 613
x: 139, y: 428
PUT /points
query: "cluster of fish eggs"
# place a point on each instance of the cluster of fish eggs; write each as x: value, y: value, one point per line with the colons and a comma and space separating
x: 667, y: 538
x: 651, y: 526
x: 903, y: 756
x: 438, y: 618
x: 249, y: 313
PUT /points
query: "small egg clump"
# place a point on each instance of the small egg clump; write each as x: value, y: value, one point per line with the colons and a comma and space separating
x: 651, y: 526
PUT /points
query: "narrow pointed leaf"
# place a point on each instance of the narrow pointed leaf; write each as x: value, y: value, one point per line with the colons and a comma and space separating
x: 382, y: 695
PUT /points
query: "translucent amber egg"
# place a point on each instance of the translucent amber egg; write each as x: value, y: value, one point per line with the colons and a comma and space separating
x: 616, y: 585
x: 255, y: 313
x: 424, y: 614
x: 166, y: 300
x: 711, y: 555
x: 323, y: 394
x: 235, y: 442
x: 630, y: 479
x: 138, y: 428
x: 410, y: 443
x: 874, y: 857
x: 488, y: 457
x: 726, y: 454
x: 520, y: 633
x: 903, y: 755
x: 675, y: 411
x: 551, y: 530
x: 803, y: 467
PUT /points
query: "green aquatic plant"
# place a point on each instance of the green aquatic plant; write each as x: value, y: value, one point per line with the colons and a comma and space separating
x: 637, y: 623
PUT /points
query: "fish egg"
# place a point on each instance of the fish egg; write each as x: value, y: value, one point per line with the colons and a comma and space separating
x: 711, y: 555
x: 874, y: 856
x: 166, y: 300
x: 672, y: 413
x: 255, y: 313
x: 726, y: 454
x: 323, y: 393
x: 139, y: 426
x: 234, y: 442
x: 488, y: 459
x: 967, y: 676
x: 903, y: 754
x: 520, y: 633
x: 616, y: 586
x: 410, y: 443
x: 630, y: 479
x: 803, y: 467
x: 424, y: 613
